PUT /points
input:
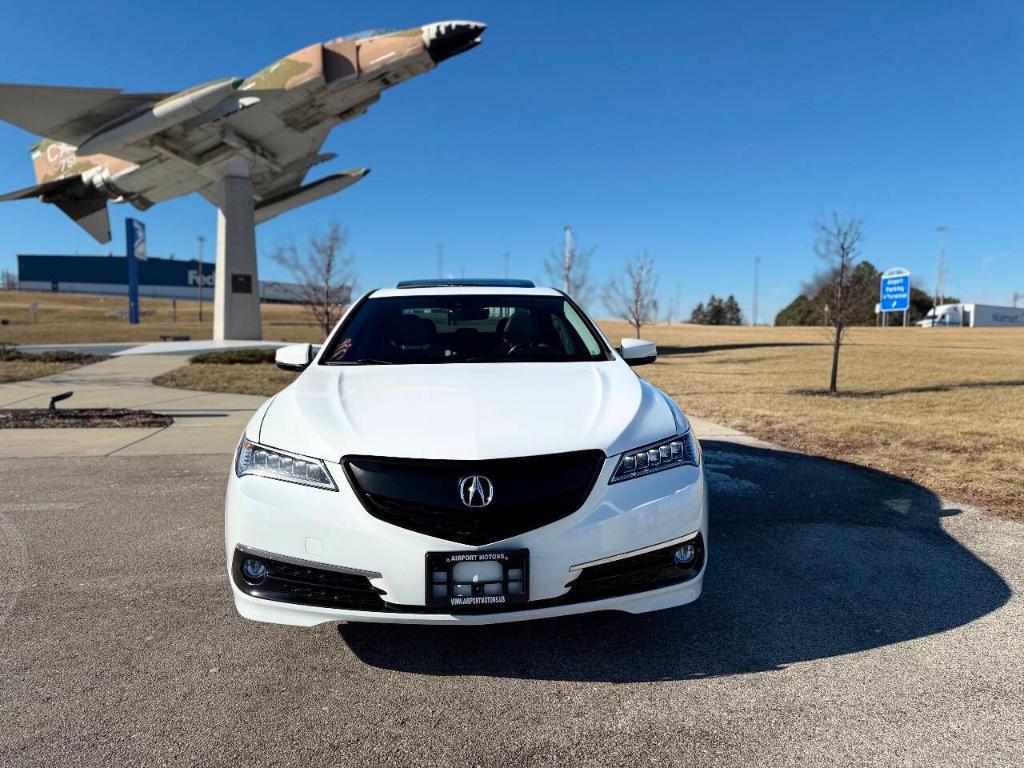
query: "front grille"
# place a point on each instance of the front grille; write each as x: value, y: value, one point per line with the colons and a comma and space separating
x: 306, y: 585
x: 424, y: 495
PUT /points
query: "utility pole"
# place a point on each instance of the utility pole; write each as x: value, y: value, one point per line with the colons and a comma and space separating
x: 942, y: 264
x: 201, y: 240
x: 570, y: 254
x: 985, y: 264
x: 440, y: 260
x: 753, y: 315
x: 505, y: 257
x: 1015, y: 297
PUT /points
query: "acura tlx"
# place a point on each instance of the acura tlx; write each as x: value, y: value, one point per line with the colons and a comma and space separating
x: 465, y: 452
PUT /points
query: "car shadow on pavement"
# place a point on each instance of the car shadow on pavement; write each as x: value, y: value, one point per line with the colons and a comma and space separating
x: 809, y: 558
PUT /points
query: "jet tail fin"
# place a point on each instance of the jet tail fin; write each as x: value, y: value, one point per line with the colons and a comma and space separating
x: 91, y: 214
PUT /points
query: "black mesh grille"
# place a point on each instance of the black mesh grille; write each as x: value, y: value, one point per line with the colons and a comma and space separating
x: 424, y: 496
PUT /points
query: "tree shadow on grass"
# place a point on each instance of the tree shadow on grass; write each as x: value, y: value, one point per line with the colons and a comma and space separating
x: 669, y: 349
x: 924, y: 389
x: 809, y: 558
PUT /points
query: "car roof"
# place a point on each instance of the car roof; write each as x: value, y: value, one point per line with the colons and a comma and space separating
x: 487, y: 282
x: 463, y: 290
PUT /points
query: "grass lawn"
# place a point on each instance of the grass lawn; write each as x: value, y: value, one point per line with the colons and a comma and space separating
x: 69, y: 318
x: 244, y: 372
x: 16, y: 366
x: 941, y: 407
x: 21, y: 370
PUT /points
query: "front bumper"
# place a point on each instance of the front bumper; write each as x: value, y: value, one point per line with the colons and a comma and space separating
x: 332, y: 530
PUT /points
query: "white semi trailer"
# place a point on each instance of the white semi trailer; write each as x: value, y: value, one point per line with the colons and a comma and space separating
x: 973, y: 316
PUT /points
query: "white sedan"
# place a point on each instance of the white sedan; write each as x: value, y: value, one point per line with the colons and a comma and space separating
x: 465, y: 453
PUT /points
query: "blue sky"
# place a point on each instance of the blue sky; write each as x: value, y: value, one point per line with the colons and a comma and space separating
x: 708, y: 133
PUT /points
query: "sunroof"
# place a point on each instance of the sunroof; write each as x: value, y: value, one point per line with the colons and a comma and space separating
x: 484, y: 282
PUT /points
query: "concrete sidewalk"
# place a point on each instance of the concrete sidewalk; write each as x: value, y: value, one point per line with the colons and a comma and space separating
x: 204, y: 422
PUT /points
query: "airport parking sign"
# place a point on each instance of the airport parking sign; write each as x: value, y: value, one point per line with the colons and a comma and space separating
x: 895, y: 290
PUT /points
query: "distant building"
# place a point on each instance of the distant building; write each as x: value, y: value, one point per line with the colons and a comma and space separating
x: 108, y: 275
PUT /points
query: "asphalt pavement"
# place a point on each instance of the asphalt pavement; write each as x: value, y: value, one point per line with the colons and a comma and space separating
x: 849, y: 618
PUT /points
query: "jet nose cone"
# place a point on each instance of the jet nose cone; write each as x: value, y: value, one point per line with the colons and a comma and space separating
x: 445, y: 39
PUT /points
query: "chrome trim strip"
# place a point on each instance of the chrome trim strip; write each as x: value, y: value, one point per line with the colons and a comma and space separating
x: 307, y: 563
x: 633, y: 552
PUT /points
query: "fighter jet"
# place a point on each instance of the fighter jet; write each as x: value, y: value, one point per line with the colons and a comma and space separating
x: 102, y: 145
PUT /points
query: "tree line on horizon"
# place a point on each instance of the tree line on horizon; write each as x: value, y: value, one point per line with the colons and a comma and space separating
x: 811, y: 306
x: 718, y: 312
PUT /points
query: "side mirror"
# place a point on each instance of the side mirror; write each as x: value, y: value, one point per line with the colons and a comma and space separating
x: 294, y: 357
x: 638, y: 351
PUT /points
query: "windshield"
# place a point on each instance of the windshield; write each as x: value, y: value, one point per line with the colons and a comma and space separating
x: 464, y: 329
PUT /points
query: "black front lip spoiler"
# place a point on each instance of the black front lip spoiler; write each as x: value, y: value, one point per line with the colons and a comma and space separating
x: 287, y: 582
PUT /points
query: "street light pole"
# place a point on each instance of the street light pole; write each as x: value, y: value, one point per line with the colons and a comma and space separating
x: 942, y: 262
x: 985, y: 264
x: 753, y: 316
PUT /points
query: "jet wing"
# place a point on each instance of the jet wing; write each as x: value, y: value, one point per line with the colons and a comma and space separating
x: 70, y: 115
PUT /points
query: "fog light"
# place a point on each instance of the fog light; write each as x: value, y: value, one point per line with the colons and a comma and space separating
x: 255, y: 571
x: 685, y: 554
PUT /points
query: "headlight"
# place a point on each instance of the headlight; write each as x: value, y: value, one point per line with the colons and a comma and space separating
x: 256, y: 459
x: 677, y: 452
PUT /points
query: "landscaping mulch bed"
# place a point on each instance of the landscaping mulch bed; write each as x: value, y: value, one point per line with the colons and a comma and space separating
x: 35, y: 418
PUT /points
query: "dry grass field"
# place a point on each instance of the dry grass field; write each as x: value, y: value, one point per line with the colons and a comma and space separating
x: 942, y: 407
x: 260, y: 379
x: 21, y: 370
x: 68, y: 318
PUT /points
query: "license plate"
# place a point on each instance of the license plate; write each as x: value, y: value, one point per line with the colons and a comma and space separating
x: 478, y: 579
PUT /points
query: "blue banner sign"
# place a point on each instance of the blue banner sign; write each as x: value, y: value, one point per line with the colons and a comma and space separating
x: 895, y: 290
x: 135, y: 232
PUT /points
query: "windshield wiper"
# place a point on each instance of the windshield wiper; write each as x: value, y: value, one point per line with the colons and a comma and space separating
x: 365, y: 361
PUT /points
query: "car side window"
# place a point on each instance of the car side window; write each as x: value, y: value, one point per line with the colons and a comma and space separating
x: 592, y: 344
x: 565, y: 336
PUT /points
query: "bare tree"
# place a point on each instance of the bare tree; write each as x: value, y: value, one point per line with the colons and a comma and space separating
x: 568, y: 267
x: 838, y: 245
x: 323, y: 273
x: 634, y: 299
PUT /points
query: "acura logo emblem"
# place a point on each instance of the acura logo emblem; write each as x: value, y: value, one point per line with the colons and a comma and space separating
x: 476, y: 491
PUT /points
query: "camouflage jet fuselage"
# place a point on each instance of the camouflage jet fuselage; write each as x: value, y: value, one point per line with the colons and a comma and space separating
x: 103, y: 145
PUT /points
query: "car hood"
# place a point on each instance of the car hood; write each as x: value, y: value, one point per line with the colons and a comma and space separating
x: 466, y: 411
